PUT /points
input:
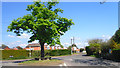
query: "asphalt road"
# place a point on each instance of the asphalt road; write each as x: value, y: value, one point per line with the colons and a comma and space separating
x: 73, y: 61
x: 83, y: 60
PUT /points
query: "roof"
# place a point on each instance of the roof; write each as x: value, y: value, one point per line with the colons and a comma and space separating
x: 15, y: 48
x: 33, y: 45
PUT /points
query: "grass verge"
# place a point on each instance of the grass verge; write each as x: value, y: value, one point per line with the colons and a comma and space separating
x: 53, y: 62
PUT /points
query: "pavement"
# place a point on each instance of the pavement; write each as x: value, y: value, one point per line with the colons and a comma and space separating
x: 77, y: 60
x: 13, y: 62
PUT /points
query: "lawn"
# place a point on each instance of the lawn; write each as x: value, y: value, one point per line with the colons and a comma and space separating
x: 53, y: 62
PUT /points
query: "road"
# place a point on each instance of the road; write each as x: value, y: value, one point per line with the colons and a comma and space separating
x: 74, y: 60
x: 83, y: 60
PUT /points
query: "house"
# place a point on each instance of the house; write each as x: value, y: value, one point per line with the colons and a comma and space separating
x: 15, y: 48
x: 36, y: 46
x: 6, y: 48
x: 75, y: 49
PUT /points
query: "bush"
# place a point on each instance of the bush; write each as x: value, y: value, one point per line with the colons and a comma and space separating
x: 81, y: 49
x: 88, y: 50
x: 60, y: 52
x: 16, y: 54
x: 116, y: 54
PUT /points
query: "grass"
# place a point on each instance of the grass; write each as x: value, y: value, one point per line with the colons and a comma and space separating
x: 52, y: 62
x: 92, y: 55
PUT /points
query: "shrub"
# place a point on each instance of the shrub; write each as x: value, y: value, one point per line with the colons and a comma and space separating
x: 88, y: 50
x: 81, y: 49
x: 116, y: 54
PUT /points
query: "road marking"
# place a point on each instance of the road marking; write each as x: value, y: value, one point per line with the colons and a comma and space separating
x: 65, y: 64
x: 60, y: 65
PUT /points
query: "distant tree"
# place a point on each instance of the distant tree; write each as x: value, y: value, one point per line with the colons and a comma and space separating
x: 19, y: 48
x: 43, y: 23
x: 74, y: 45
x: 69, y: 47
x: 81, y: 49
x: 95, y: 41
x: 95, y: 45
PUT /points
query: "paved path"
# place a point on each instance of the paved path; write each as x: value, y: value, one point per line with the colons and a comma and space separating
x: 13, y: 62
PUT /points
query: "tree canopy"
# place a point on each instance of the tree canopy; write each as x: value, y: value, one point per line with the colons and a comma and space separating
x: 116, y: 36
x: 43, y: 23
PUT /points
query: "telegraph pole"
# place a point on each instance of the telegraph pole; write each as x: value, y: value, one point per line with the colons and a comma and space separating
x: 73, y: 40
x: 119, y: 15
x: 71, y: 46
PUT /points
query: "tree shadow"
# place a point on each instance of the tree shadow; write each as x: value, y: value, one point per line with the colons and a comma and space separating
x: 57, y: 58
x: 93, y: 62
x: 20, y: 61
x: 85, y: 55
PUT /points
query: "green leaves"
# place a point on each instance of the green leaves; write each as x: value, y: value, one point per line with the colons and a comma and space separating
x: 43, y: 22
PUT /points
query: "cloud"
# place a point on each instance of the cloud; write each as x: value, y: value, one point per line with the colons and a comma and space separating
x: 106, y: 37
x: 67, y: 44
x: 11, y: 36
x: 18, y: 41
x: 23, y: 45
x: 78, y: 43
x: 36, y: 41
x: 75, y: 38
x: 24, y: 35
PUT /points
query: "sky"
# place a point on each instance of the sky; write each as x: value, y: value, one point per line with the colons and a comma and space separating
x: 92, y: 20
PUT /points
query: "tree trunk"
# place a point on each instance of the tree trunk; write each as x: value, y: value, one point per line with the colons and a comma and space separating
x: 42, y: 51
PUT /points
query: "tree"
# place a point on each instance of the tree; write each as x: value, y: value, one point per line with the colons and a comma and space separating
x: 95, y: 45
x: 95, y: 41
x: 43, y: 23
x: 116, y: 36
x: 74, y: 45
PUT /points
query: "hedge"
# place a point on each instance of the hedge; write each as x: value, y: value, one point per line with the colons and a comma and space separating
x: 37, y: 53
x: 20, y: 54
x: 60, y: 52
